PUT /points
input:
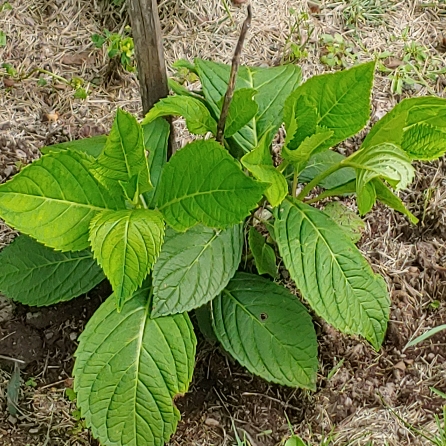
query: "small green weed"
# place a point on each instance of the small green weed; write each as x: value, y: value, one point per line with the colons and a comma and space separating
x: 372, y: 12
x: 120, y: 47
x: 300, y: 33
x: 338, y: 52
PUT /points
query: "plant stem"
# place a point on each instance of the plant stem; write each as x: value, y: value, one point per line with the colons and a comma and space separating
x: 283, y: 165
x: 232, y: 78
x: 318, y: 178
x: 294, y: 186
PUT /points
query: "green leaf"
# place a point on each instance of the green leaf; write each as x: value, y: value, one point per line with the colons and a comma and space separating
x: 156, y: 140
x: 241, y: 110
x: 273, y: 86
x: 33, y: 274
x: 426, y: 335
x: 417, y: 125
x: 128, y: 370
x: 346, y: 219
x: 256, y: 321
x: 336, y: 101
x: 194, y: 267
x: 319, y: 163
x: 294, y: 441
x: 54, y: 199
x: 198, y: 118
x: 310, y: 145
x: 384, y: 195
x: 264, y: 255
x: 260, y: 164
x: 123, y: 156
x: 385, y: 161
x: 92, y: 146
x: 126, y: 244
x: 331, y: 273
x: 202, y: 183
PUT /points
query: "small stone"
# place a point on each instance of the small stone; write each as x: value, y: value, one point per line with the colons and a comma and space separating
x: 12, y: 419
x: 73, y: 336
x: 49, y: 335
x: 400, y: 366
x: 34, y: 430
x: 212, y: 422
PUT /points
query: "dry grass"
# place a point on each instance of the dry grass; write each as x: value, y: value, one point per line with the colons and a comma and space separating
x: 56, y: 35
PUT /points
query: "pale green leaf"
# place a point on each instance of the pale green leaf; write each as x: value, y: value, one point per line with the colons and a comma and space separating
x: 347, y: 220
x: 264, y: 255
x: 92, y: 146
x: 384, y: 161
x: 387, y: 197
x: 267, y: 330
x: 336, y: 101
x: 319, y: 163
x: 417, y: 125
x: 310, y: 146
x: 194, y: 267
x: 54, y: 199
x: 123, y: 156
x: 241, y: 110
x: 33, y: 274
x: 273, y: 86
x: 294, y: 441
x: 126, y: 244
x: 128, y: 370
x: 156, y: 140
x: 198, y: 118
x: 331, y: 273
x: 202, y: 183
x: 259, y: 162
x: 428, y: 334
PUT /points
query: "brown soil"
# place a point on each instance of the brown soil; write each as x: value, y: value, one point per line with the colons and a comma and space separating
x: 363, y: 397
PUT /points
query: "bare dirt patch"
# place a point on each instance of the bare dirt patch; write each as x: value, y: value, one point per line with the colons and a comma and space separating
x: 362, y: 395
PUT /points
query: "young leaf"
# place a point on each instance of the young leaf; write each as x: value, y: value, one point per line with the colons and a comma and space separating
x: 126, y: 244
x: 202, y: 183
x: 264, y: 255
x: 128, y: 370
x: 417, y: 125
x: 198, y: 118
x: 123, y: 156
x: 310, y: 146
x: 54, y: 199
x: 267, y: 330
x: 331, y: 273
x: 336, y: 101
x: 384, y: 195
x: 156, y: 139
x: 92, y: 146
x: 194, y: 267
x: 241, y: 110
x: 273, y: 86
x: 319, y: 163
x: 260, y: 164
x: 346, y: 219
x: 33, y: 274
x: 386, y: 161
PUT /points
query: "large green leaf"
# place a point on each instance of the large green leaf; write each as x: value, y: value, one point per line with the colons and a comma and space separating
x: 126, y: 244
x: 128, y: 370
x: 267, y: 330
x: 331, y: 273
x: 339, y: 102
x: 417, y: 125
x: 202, y: 183
x: 273, y: 86
x: 260, y: 163
x: 156, y: 140
x: 194, y: 267
x: 241, y: 110
x: 33, y: 274
x: 123, y: 157
x: 319, y: 163
x: 92, y: 146
x: 198, y: 118
x: 54, y: 199
x: 264, y: 255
